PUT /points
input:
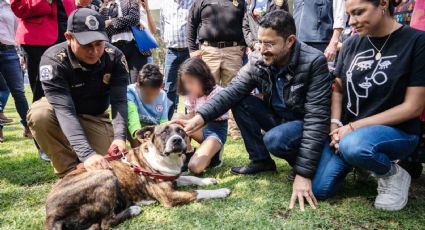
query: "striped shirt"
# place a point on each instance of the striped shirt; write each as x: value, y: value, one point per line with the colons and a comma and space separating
x: 174, y: 14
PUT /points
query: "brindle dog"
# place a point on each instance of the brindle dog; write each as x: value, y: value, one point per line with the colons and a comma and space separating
x: 101, y: 199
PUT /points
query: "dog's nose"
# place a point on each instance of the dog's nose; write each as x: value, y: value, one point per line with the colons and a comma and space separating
x: 177, y: 141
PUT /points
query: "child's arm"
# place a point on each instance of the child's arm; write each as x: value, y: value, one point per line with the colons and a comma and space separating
x: 133, y: 119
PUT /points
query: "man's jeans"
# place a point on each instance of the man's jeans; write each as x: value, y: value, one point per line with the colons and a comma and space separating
x: 4, y: 93
x: 11, y: 72
x: 173, y: 60
x: 281, y: 139
x: 372, y: 148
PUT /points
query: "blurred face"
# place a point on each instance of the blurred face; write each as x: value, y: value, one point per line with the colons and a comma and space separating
x: 365, y: 17
x: 88, y: 54
x: 273, y: 47
x: 148, y: 94
x: 192, y: 85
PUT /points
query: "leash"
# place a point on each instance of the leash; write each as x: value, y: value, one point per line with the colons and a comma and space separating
x: 115, y: 154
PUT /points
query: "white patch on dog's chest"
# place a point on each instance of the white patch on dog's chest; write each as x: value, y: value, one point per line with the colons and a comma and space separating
x: 169, y: 166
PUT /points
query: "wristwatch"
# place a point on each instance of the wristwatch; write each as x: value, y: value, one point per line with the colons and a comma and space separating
x: 336, y: 122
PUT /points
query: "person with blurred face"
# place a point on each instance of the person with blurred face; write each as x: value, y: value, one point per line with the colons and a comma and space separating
x: 81, y: 78
x: 148, y: 103
x: 294, y: 112
x: 376, y: 103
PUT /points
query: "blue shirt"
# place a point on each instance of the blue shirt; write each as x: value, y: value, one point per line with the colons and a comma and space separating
x: 278, y: 102
x: 150, y: 114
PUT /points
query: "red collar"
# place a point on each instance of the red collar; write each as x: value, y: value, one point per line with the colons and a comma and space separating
x: 115, y: 154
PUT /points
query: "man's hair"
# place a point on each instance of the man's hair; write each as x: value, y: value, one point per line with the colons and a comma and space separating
x: 150, y: 76
x: 280, y: 21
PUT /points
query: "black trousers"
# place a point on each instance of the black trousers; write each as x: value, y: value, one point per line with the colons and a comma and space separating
x: 33, y: 56
x: 135, y: 59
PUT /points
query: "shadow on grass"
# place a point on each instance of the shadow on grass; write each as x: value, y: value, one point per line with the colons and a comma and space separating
x: 25, y: 170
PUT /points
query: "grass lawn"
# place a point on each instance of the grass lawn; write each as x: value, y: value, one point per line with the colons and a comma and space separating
x: 256, y: 202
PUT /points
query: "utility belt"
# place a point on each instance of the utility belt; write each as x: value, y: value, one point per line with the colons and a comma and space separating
x: 222, y: 45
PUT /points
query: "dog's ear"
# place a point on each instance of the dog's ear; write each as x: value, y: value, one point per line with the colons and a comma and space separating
x: 145, y: 133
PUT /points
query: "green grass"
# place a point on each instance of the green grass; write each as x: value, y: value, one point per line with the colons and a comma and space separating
x: 256, y: 202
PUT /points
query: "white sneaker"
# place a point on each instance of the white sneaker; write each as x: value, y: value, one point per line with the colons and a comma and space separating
x: 393, y: 191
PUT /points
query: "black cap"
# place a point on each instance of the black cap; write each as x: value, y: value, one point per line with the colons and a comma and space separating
x: 87, y: 25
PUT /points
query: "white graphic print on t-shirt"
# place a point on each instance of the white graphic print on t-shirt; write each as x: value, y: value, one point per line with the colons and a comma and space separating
x: 365, y: 61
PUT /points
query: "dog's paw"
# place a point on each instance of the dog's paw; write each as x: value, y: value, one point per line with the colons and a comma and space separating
x: 135, y: 210
x: 225, y: 192
x: 208, y: 181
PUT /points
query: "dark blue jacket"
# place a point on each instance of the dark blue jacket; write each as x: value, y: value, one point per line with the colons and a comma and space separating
x: 314, y: 20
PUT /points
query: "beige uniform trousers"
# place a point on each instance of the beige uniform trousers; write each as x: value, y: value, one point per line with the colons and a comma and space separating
x: 46, y: 131
x: 224, y: 63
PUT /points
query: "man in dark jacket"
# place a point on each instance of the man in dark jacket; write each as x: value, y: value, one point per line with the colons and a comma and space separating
x: 295, y: 110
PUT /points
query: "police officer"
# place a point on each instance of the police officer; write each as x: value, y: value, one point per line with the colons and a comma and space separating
x: 81, y: 78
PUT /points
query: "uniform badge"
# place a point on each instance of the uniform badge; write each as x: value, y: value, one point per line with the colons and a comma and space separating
x: 46, y: 73
x: 279, y: 3
x: 92, y: 23
x: 109, y: 50
x: 61, y: 56
x: 159, y: 108
x: 124, y: 63
x: 236, y: 3
x: 107, y: 78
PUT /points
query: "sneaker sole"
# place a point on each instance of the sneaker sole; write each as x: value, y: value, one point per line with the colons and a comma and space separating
x: 396, y: 207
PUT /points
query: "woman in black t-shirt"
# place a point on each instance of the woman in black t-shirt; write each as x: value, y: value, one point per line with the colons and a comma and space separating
x: 378, y: 98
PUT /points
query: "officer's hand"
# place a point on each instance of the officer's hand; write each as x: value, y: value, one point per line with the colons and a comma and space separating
x: 302, y: 189
x: 197, y: 54
x: 122, y: 146
x: 96, y: 162
x: 82, y: 3
x: 192, y: 125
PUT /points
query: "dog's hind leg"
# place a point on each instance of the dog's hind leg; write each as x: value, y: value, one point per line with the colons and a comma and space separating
x: 192, y: 180
x: 120, y: 217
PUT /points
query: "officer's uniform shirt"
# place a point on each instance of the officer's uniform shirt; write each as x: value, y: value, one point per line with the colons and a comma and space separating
x: 74, y: 88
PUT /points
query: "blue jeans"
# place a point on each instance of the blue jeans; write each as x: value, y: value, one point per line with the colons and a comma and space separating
x: 11, y: 72
x: 372, y: 148
x: 281, y: 139
x: 217, y: 130
x: 4, y: 94
x: 173, y: 60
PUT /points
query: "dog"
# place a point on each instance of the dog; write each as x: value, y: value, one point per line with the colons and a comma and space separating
x: 101, y: 199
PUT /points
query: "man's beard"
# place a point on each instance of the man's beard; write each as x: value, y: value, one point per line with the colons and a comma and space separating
x: 278, y: 59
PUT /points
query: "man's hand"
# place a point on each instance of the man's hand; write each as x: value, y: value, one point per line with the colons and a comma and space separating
x: 96, y: 162
x: 82, y: 3
x: 122, y: 146
x: 197, y: 54
x: 108, y: 23
x: 302, y: 189
x: 331, y: 50
x: 192, y: 125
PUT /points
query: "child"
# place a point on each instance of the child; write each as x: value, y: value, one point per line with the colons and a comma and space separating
x: 147, y: 102
x: 196, y: 82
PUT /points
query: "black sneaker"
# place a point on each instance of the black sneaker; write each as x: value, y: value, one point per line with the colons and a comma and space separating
x: 255, y: 167
x: 216, y: 161
x: 291, y: 175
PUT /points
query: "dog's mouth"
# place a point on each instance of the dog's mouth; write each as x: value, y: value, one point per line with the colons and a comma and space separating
x: 175, y: 146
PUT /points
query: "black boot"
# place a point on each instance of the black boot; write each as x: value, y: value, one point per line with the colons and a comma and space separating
x: 255, y: 167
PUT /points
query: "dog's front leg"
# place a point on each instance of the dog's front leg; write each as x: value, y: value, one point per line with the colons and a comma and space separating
x: 192, y: 180
x: 209, y: 194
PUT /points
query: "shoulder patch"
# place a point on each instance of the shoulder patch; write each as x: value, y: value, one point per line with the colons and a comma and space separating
x: 109, y: 50
x: 46, y: 73
x: 61, y: 55
x: 124, y: 63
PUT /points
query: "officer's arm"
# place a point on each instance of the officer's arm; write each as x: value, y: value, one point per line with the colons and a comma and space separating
x: 119, y: 79
x: 56, y: 88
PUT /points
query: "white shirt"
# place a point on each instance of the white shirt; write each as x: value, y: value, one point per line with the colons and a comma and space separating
x: 8, y: 25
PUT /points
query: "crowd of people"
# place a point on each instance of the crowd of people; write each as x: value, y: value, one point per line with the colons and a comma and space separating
x: 334, y: 86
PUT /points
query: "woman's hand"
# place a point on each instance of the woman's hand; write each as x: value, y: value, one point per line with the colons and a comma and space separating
x: 337, y: 134
x: 108, y: 23
x: 145, y: 4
